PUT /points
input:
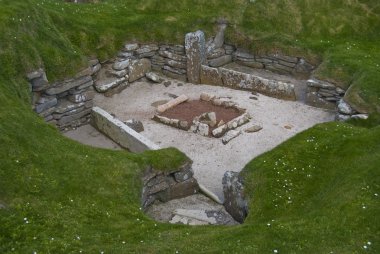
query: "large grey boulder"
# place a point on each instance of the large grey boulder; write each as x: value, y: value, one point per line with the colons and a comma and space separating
x: 138, y: 69
x: 196, y: 55
x: 234, y: 196
x: 345, y: 108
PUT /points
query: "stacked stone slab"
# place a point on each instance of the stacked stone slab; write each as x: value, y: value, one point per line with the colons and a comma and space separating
x: 171, y: 61
x: 65, y: 104
x: 323, y: 94
x: 274, y: 62
x: 169, y: 185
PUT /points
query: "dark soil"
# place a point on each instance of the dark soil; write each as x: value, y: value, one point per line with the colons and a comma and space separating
x: 187, y: 111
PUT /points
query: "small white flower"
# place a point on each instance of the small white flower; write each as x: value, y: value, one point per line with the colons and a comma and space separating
x: 365, y: 247
x: 369, y: 243
x: 268, y: 224
x: 275, y: 251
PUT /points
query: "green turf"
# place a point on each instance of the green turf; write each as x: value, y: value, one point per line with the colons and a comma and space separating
x: 63, y: 197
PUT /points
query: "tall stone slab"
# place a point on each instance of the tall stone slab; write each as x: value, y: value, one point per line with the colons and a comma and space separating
x: 195, y: 46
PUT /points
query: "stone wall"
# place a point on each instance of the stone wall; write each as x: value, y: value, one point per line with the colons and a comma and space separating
x: 323, y: 94
x: 165, y: 186
x: 282, y: 64
x: 65, y: 104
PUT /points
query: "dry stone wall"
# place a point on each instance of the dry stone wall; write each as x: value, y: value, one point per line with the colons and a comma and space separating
x: 274, y: 62
x: 65, y: 104
x: 165, y: 186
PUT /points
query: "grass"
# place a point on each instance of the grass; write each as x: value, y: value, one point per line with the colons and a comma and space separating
x: 63, y: 197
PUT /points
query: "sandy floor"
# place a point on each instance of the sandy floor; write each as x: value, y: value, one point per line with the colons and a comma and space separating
x: 212, y: 158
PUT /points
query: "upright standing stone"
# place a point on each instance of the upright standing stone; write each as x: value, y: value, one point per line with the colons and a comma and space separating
x: 195, y: 46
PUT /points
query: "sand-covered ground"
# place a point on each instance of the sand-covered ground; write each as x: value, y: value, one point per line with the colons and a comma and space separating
x: 280, y: 120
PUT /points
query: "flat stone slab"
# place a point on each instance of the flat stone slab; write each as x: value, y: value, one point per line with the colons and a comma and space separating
x: 193, y: 210
x: 120, y: 132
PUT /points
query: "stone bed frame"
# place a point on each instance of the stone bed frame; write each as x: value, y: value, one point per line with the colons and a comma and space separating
x: 202, y: 127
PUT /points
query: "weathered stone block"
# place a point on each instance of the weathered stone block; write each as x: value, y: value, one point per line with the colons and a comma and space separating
x: 103, y: 86
x: 139, y: 68
x: 220, y: 61
x: 121, y: 133
x: 184, y: 175
x: 173, y: 56
x: 82, y: 97
x: 153, y: 77
x: 174, y: 70
x: 252, y: 64
x: 67, y: 85
x: 179, y: 190
x: 196, y: 55
x: 67, y: 119
x: 175, y: 64
x: 121, y: 65
x: 314, y: 100
x: 235, y: 202
x: 45, y: 103
x: 170, y: 74
x: 230, y: 135
x: 216, y: 53
x: 39, y: 83
x: 345, y: 108
x: 117, y: 89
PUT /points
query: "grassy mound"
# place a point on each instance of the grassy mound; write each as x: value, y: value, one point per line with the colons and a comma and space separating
x: 316, y: 193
